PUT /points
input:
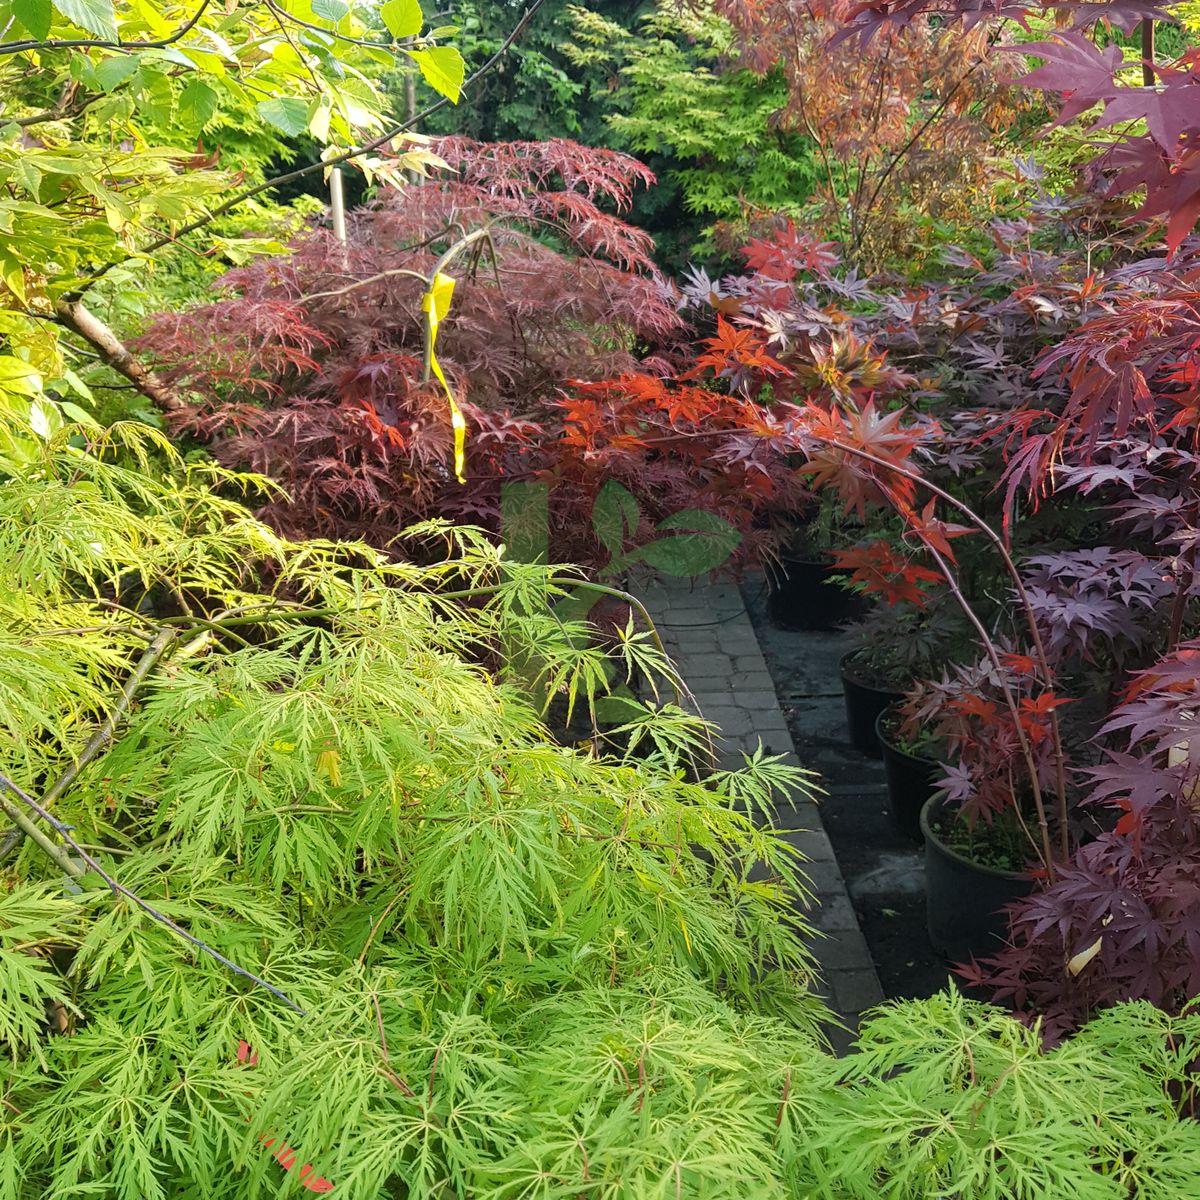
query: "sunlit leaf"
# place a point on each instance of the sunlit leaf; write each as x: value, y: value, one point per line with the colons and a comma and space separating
x: 443, y: 69
x: 403, y: 18
x: 96, y: 16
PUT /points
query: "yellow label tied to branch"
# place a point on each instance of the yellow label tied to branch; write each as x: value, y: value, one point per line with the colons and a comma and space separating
x: 436, y: 303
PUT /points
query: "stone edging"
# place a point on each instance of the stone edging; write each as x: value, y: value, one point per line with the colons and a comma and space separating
x: 709, y: 634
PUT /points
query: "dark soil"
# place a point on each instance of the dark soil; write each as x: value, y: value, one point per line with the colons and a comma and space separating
x: 883, y: 870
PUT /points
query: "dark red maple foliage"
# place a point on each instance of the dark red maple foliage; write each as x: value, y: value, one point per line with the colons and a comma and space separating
x: 311, y: 368
x: 558, y: 346
x: 1123, y: 919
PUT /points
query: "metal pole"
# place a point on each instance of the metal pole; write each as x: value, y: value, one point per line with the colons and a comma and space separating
x: 337, y: 204
x: 410, y: 100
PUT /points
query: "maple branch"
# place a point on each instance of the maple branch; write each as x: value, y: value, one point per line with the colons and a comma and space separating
x: 1046, y: 852
x: 300, y: 172
x: 100, y: 739
x: 393, y: 45
x: 91, y: 863
x: 1179, y: 604
x: 358, y: 283
x: 807, y: 123
x: 68, y: 106
x: 916, y: 137
x: 103, y: 44
x: 73, y: 315
x: 1022, y: 596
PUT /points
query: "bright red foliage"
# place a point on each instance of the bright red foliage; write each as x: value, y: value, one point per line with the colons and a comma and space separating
x: 879, y: 570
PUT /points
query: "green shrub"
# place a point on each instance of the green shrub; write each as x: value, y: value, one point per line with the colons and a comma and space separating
x: 458, y: 956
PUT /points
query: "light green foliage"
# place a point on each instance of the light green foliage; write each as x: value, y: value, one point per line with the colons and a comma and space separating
x: 678, y: 98
x: 526, y: 968
x: 125, y: 124
x: 363, y: 807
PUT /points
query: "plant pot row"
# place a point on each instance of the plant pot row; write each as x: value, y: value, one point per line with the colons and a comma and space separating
x: 964, y: 899
x: 803, y: 596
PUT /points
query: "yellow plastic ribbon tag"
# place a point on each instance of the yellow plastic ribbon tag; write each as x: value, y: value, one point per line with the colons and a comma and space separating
x: 436, y: 302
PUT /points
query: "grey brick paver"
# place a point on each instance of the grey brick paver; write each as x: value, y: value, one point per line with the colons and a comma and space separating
x: 710, y: 636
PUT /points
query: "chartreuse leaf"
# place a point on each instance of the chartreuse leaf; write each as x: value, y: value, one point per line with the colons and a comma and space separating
x: 197, y: 102
x: 330, y: 10
x: 320, y: 114
x: 35, y: 15
x: 96, y: 16
x: 443, y: 69
x: 286, y: 113
x: 112, y: 71
x: 12, y: 273
x: 17, y: 376
x: 403, y: 18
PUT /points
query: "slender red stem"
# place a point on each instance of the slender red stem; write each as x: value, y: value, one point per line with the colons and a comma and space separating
x: 1023, y: 597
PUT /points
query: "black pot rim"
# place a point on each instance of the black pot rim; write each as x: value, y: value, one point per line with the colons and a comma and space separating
x: 884, y: 740
x: 858, y: 680
x: 937, y: 801
x: 807, y: 558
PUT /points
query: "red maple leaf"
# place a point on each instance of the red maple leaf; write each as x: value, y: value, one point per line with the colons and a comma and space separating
x: 735, y: 349
x: 882, y: 572
x: 838, y: 445
x: 935, y: 533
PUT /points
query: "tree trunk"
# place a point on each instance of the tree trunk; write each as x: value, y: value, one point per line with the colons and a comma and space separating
x: 79, y: 320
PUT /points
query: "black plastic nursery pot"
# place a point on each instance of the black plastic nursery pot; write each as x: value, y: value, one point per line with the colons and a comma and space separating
x: 964, y: 900
x: 864, y: 704
x: 803, y: 596
x: 911, y: 779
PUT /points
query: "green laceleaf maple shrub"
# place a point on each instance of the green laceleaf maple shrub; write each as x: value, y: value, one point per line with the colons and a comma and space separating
x: 305, y: 896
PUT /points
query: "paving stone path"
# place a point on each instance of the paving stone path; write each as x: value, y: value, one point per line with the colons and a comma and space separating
x: 709, y: 634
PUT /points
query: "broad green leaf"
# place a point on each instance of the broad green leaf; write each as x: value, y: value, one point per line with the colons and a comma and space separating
x: 115, y: 70
x: 32, y: 341
x: 330, y: 10
x: 615, y: 516
x: 35, y: 15
x: 79, y: 386
x: 443, y: 69
x: 286, y: 113
x: 197, y: 103
x: 96, y: 16
x: 44, y: 418
x: 403, y: 18
x: 12, y: 273
x: 704, y: 542
x: 78, y: 415
x: 26, y: 174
